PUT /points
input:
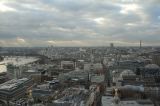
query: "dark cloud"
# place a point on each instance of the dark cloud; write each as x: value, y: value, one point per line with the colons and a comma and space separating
x: 84, y: 22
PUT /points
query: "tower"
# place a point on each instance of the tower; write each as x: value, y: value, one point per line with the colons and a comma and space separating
x: 140, y: 43
x: 92, y: 57
x: 92, y: 61
x: 111, y: 45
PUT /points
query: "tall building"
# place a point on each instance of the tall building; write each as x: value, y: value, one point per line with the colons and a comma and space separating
x: 111, y: 45
x: 156, y: 59
x: 140, y: 45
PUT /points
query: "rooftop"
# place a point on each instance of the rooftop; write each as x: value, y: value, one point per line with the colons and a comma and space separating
x: 3, y: 68
x: 12, y: 84
x: 107, y: 101
x: 127, y: 73
x: 97, y: 78
x: 152, y: 66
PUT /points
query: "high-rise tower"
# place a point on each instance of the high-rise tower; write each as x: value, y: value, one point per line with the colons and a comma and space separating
x: 140, y: 44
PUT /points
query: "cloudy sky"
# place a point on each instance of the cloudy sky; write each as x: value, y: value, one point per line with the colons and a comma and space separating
x: 79, y: 22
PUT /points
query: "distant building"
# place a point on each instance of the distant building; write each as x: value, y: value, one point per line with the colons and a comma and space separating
x: 1, y: 58
x: 140, y: 44
x: 3, y: 77
x: 128, y: 64
x: 80, y: 64
x: 34, y: 74
x: 156, y: 59
x: 3, y: 74
x: 72, y: 97
x: 93, y: 67
x: 151, y: 70
x: 108, y: 100
x: 111, y: 45
x: 41, y: 92
x: 67, y: 65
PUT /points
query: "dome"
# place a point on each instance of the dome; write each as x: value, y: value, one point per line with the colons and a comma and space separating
x: 127, y: 73
x: 152, y: 66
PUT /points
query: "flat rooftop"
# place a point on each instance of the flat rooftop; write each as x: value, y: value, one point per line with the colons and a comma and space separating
x: 12, y: 84
x: 3, y: 68
x: 97, y: 78
x: 107, y: 101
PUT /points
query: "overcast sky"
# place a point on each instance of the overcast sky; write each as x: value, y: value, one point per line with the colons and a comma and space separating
x: 79, y: 22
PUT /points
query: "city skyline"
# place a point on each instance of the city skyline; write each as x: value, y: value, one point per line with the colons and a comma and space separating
x: 29, y: 23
